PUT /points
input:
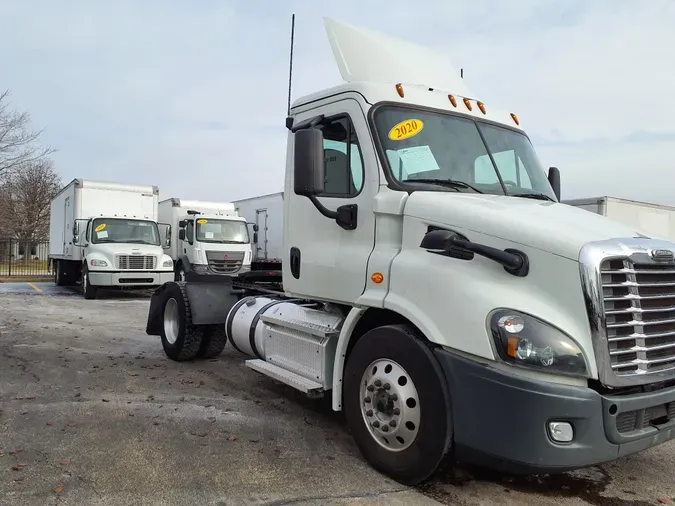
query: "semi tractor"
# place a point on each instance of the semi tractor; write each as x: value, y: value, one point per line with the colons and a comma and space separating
x: 433, y: 286
x: 105, y: 235
x: 208, y: 237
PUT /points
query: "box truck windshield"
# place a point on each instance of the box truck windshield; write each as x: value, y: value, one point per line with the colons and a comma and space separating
x: 222, y: 231
x: 122, y: 230
x: 466, y: 155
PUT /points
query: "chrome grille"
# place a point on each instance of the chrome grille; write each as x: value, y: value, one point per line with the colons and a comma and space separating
x: 135, y: 262
x: 639, y: 307
x: 225, y: 262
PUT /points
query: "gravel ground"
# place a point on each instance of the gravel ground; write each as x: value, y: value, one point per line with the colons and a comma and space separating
x: 92, y: 412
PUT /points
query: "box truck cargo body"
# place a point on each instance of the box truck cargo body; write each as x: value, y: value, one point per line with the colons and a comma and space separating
x: 655, y: 220
x: 106, y: 235
x: 267, y: 212
x: 208, y: 238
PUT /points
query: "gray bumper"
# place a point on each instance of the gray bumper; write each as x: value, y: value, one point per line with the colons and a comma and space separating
x: 500, y: 420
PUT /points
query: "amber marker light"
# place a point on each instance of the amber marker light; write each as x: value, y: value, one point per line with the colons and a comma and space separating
x: 453, y: 101
x: 467, y: 103
x: 377, y: 278
x: 399, y: 89
x: 515, y: 119
x: 481, y: 106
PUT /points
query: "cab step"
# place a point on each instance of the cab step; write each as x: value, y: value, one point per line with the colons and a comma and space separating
x: 289, y: 378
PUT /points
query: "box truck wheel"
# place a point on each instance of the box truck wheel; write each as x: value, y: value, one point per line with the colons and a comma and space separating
x: 181, y: 339
x: 213, y: 341
x: 396, y: 403
x: 88, y: 290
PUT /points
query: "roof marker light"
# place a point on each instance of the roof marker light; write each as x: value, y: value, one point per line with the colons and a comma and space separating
x: 467, y: 103
x: 452, y: 100
x: 515, y: 119
x: 399, y: 89
x: 481, y: 106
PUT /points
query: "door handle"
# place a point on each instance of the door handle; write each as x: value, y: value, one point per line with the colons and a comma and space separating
x: 295, y: 262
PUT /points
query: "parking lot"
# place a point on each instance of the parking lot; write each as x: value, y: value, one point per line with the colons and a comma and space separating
x: 92, y: 412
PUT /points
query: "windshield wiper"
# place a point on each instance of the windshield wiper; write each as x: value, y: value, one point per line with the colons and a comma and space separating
x: 532, y: 195
x: 452, y: 183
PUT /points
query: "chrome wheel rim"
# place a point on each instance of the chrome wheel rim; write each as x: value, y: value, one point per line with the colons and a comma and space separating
x: 390, y: 405
x: 171, y: 321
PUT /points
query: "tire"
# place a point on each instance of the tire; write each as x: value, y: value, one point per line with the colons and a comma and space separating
x: 58, y: 277
x: 181, y: 339
x: 88, y: 290
x: 424, y: 429
x: 213, y: 341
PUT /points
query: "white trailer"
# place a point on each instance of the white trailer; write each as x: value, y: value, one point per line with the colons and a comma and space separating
x: 208, y: 238
x: 266, y: 212
x: 435, y: 288
x: 655, y: 220
x: 105, y: 234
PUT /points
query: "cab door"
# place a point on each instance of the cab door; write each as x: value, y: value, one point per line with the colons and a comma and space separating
x: 321, y: 259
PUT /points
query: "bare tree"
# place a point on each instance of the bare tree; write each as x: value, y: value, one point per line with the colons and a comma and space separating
x: 25, y: 200
x: 18, y: 142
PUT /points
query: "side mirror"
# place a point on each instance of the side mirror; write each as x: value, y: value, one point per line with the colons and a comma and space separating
x: 168, y: 236
x: 255, y: 227
x: 182, y: 223
x: 166, y: 241
x: 554, y: 181
x: 181, y: 234
x: 255, y: 237
x: 439, y: 240
x: 308, y: 164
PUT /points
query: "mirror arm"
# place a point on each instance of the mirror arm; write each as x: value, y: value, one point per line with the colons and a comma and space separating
x: 323, y: 209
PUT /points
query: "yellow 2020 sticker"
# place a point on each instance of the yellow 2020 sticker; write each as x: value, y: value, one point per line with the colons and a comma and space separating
x: 100, y: 227
x: 202, y: 221
x: 406, y: 129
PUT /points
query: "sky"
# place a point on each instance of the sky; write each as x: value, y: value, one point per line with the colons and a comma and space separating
x: 191, y: 95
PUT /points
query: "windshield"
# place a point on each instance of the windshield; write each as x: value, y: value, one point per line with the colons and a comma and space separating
x: 120, y: 230
x: 222, y: 231
x: 431, y: 145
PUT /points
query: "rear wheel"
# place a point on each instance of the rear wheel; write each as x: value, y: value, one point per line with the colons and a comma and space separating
x: 396, y: 403
x: 213, y: 341
x: 181, y: 339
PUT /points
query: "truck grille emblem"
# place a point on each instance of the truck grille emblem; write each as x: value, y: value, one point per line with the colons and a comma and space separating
x: 662, y: 255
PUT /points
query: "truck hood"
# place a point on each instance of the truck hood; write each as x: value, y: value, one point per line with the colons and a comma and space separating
x: 126, y: 249
x: 549, y: 226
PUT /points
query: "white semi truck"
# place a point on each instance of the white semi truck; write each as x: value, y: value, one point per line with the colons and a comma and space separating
x: 434, y: 287
x: 654, y: 219
x: 105, y: 234
x: 266, y: 214
x: 209, y: 238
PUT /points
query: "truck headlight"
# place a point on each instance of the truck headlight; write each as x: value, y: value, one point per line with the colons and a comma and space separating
x: 524, y: 340
x: 167, y: 263
x: 98, y: 263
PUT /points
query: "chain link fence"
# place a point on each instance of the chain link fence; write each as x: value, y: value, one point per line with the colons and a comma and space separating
x: 24, y: 258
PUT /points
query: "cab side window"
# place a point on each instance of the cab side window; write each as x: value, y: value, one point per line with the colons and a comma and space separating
x: 342, y: 159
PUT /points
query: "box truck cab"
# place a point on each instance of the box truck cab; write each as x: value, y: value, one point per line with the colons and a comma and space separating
x: 209, y: 238
x: 106, y: 235
x: 437, y: 290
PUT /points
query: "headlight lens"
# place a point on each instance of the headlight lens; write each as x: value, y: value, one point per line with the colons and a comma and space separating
x: 525, y: 340
x: 168, y: 263
x: 98, y: 263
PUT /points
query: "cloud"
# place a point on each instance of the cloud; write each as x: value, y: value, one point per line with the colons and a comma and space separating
x: 191, y: 96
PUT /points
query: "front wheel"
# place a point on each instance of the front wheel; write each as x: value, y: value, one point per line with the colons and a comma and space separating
x: 396, y: 404
x: 88, y: 290
x: 181, y: 339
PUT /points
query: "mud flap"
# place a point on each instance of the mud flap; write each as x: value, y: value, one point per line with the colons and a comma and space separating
x: 155, y: 313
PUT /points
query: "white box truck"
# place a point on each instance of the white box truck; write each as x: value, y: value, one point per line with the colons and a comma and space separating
x: 105, y: 234
x: 654, y: 219
x: 435, y: 288
x: 266, y: 213
x: 208, y: 238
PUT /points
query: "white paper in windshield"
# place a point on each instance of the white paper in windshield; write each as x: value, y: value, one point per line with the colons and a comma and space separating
x: 417, y: 159
x: 102, y: 234
x: 209, y: 235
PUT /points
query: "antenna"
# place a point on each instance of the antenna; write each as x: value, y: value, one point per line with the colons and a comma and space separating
x: 461, y: 73
x: 290, y: 66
